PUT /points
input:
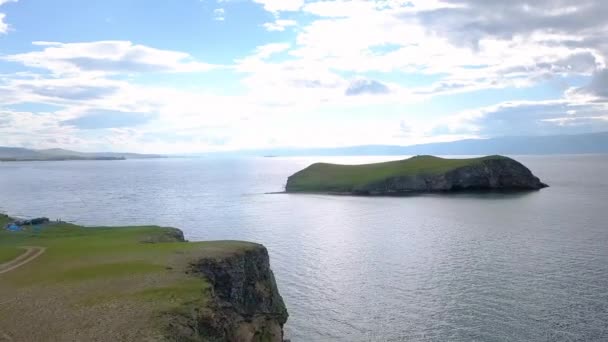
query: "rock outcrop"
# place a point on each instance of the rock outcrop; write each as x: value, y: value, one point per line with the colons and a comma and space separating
x: 245, y: 302
x: 491, y: 174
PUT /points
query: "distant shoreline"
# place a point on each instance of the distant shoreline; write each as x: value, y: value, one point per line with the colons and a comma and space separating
x: 58, y: 159
x: 12, y: 154
x: 9, y: 160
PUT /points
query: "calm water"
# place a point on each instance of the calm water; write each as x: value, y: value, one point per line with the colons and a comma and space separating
x: 527, y: 267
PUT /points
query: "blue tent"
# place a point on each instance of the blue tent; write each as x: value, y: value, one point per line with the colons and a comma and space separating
x: 13, y: 228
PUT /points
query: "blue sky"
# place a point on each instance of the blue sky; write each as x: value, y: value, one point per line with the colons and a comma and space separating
x: 210, y: 75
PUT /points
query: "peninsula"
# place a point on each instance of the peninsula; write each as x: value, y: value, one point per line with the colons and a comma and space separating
x: 415, y: 175
x: 11, y: 154
x: 63, y: 282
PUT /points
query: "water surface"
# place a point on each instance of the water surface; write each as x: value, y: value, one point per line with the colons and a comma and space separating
x: 486, y: 267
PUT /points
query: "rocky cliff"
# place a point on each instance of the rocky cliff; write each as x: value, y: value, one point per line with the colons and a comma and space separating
x: 417, y: 174
x: 245, y: 304
x: 140, y: 284
x: 490, y: 174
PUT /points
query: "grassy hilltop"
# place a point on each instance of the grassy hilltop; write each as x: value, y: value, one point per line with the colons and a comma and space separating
x: 420, y: 173
x: 103, y: 284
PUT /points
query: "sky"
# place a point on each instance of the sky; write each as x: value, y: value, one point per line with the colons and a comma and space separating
x: 187, y: 76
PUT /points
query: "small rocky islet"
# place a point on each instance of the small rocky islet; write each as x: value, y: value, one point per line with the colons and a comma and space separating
x: 420, y: 174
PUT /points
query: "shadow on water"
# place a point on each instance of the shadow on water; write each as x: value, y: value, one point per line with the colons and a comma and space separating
x: 486, y: 194
x: 475, y: 194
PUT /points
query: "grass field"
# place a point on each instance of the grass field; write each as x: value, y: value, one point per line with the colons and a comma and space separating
x: 8, y: 253
x: 113, y: 284
x: 338, y: 178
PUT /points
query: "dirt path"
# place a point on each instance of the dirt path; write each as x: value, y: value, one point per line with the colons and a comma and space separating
x: 30, y: 254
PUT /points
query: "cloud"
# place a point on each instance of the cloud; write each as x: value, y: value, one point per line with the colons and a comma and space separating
x: 79, y: 92
x: 62, y: 91
x: 27, y: 129
x: 109, y: 57
x: 597, y: 89
x: 108, y: 119
x: 256, y: 61
x: 445, y: 38
x: 371, y: 87
x: 280, y: 5
x: 267, y: 50
x: 279, y: 25
x: 219, y: 14
x: 4, y: 27
x: 516, y: 118
x: 474, y: 20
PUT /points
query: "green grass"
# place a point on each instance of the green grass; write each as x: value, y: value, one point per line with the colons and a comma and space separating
x: 117, y: 269
x: 345, y: 178
x: 189, y: 291
x: 112, y: 275
x: 172, y: 296
x: 77, y: 253
x: 8, y: 253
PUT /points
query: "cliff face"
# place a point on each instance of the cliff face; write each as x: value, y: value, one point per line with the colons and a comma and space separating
x: 245, y: 303
x: 490, y: 174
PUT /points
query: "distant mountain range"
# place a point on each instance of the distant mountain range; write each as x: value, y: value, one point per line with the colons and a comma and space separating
x: 24, y: 154
x: 554, y: 144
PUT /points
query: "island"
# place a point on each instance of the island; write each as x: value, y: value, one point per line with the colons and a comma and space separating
x: 420, y: 174
x: 64, y: 282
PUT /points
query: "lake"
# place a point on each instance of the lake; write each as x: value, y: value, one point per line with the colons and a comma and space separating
x: 462, y: 267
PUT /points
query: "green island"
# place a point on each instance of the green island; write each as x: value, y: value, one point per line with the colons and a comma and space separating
x: 63, y: 282
x: 415, y: 175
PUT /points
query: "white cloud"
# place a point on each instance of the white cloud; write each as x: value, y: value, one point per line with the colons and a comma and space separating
x: 352, y: 36
x: 513, y: 118
x: 58, y: 91
x: 482, y: 19
x: 43, y: 130
x: 4, y: 27
x: 219, y: 14
x: 107, y: 57
x: 279, y: 24
x: 255, y: 62
x: 280, y: 5
x: 596, y: 90
x: 267, y: 50
x: 364, y: 86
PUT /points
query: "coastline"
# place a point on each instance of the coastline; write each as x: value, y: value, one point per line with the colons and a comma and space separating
x: 120, y: 283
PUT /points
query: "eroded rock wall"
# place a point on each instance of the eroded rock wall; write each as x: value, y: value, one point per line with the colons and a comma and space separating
x: 245, y: 302
x: 491, y: 174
